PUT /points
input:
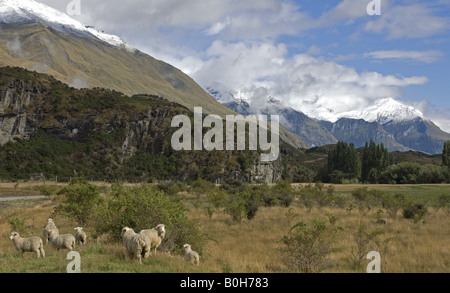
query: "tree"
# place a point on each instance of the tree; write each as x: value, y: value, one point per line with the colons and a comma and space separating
x: 344, y: 161
x: 375, y: 160
x: 446, y: 155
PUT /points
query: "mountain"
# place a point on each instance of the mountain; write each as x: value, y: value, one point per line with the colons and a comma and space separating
x: 48, y: 127
x: 399, y: 127
x: 40, y: 38
x: 296, y: 122
x: 37, y: 37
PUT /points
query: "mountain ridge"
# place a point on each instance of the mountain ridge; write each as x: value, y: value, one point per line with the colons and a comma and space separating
x: 399, y: 127
x: 85, y: 58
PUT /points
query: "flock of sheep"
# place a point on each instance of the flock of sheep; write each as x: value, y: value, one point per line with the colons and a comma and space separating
x: 138, y: 245
x: 50, y: 234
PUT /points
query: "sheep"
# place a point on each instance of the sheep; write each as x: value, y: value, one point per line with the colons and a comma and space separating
x: 155, y: 236
x: 32, y: 244
x: 80, y: 236
x: 382, y: 221
x: 64, y: 241
x: 190, y: 255
x: 137, y: 245
x: 50, y: 225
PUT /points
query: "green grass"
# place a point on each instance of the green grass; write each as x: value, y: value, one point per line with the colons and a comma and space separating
x: 422, y: 192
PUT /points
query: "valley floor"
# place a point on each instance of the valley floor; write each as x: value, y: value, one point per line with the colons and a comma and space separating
x: 250, y: 246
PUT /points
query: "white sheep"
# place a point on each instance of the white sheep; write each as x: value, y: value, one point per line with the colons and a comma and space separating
x: 50, y: 226
x: 190, y: 255
x: 155, y: 236
x: 80, y: 236
x: 137, y: 245
x: 64, y: 241
x: 32, y: 244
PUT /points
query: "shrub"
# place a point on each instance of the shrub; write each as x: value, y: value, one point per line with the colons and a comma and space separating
x: 415, y: 212
x: 242, y: 204
x: 307, y: 246
x: 143, y: 208
x: 394, y: 203
x: 79, y: 201
x: 363, y: 238
x: 17, y: 224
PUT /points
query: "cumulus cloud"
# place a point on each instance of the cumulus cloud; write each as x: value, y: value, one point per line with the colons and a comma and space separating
x: 239, y: 45
x: 409, y: 21
x: 304, y: 82
x: 429, y: 56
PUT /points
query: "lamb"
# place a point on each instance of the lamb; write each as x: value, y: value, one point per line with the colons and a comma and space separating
x: 33, y: 244
x: 137, y: 245
x: 382, y: 221
x: 190, y: 255
x: 64, y: 241
x: 50, y: 226
x: 155, y: 236
x: 80, y: 236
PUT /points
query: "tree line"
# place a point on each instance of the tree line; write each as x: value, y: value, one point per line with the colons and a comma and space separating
x: 374, y: 164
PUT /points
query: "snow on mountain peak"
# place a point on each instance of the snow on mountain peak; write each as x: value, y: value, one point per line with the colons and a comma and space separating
x: 388, y: 110
x: 19, y: 11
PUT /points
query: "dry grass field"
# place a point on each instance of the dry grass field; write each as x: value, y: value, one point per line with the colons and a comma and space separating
x: 250, y: 246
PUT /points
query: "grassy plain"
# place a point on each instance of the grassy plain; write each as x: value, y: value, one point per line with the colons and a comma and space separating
x: 250, y: 246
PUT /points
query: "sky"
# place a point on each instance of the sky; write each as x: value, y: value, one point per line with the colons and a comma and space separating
x: 342, y: 55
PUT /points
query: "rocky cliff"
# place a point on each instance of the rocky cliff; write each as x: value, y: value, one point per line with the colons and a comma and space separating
x: 49, y: 127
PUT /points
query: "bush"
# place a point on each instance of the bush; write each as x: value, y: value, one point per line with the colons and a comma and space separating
x: 242, y: 204
x: 79, y: 201
x: 393, y: 203
x: 415, y: 212
x: 18, y: 225
x: 307, y: 246
x: 143, y: 208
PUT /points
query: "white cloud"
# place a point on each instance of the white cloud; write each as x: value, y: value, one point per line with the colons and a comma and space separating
x: 408, y: 21
x: 218, y: 27
x: 428, y: 56
x: 302, y: 81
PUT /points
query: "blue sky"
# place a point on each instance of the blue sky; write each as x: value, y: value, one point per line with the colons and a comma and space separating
x: 309, y: 54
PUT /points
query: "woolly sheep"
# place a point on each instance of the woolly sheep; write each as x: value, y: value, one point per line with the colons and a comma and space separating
x: 80, y: 236
x: 32, y: 244
x: 155, y: 236
x: 190, y: 255
x: 64, y: 241
x: 137, y: 245
x: 50, y: 226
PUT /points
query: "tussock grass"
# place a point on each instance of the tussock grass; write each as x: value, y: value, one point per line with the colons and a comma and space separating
x: 244, y: 247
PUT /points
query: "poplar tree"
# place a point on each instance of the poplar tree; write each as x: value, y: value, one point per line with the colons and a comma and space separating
x: 446, y: 155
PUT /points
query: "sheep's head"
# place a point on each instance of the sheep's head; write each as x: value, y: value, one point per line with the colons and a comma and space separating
x: 125, y: 230
x: 78, y: 229
x: 187, y: 247
x: 14, y: 235
x: 161, y: 228
x: 50, y: 220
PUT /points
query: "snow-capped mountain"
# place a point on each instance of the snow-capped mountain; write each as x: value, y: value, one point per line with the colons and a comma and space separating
x: 399, y: 127
x: 42, y: 39
x: 26, y: 11
x: 388, y: 110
